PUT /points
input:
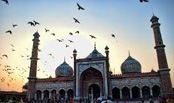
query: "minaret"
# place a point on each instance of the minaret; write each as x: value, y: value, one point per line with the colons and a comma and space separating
x: 161, y: 56
x: 75, y: 54
x: 159, y: 46
x: 33, y: 67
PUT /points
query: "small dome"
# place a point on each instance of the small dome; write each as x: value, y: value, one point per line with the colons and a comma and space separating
x: 154, y: 18
x: 64, y: 70
x: 36, y: 34
x: 130, y: 65
x: 95, y: 53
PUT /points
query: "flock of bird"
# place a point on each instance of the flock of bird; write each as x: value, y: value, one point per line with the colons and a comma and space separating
x: 11, y: 70
x: 8, y: 69
x: 80, y: 8
x: 23, y: 71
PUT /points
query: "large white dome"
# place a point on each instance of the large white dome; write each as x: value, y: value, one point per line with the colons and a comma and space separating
x: 130, y: 65
x: 64, y: 70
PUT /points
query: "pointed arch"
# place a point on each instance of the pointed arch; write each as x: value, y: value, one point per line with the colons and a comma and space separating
x: 135, y: 92
x: 38, y: 94
x: 53, y: 93
x: 91, y: 73
x: 87, y: 77
x: 46, y: 94
x: 116, y: 93
x: 146, y: 92
x: 156, y: 91
x: 70, y: 93
x: 62, y: 93
x: 125, y: 93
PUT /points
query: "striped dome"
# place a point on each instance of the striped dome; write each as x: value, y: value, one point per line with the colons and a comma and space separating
x: 130, y: 65
x: 64, y: 70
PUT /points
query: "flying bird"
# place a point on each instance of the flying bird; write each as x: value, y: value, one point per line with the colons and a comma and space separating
x: 70, y: 41
x: 9, y: 31
x: 144, y: 1
x: 70, y: 33
x: 77, y: 32
x: 51, y: 55
x: 39, y: 50
x: 92, y: 36
x: 76, y: 21
x: 67, y: 45
x: 13, y: 49
x: 36, y: 23
x: 46, y: 30
x: 53, y: 34
x: 59, y: 40
x: 12, y: 45
x: 31, y: 23
x: 80, y: 7
x: 5, y: 55
x: 14, y: 25
x: 113, y: 35
x: 6, y: 1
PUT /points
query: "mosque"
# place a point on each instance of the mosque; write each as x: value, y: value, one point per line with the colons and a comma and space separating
x: 91, y: 77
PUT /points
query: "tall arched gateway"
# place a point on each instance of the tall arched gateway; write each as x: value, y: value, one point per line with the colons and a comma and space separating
x: 91, y: 83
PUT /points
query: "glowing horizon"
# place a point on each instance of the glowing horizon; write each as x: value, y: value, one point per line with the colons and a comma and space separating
x: 128, y: 20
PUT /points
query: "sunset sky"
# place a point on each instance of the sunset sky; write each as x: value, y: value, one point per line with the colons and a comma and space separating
x: 128, y: 20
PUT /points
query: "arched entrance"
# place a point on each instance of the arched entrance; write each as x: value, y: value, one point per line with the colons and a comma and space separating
x: 46, y: 94
x: 146, y: 92
x: 38, y: 94
x: 135, y: 92
x: 116, y: 93
x: 70, y: 93
x: 94, y: 90
x: 156, y: 91
x: 125, y: 93
x: 53, y: 94
x: 62, y: 94
x: 90, y: 79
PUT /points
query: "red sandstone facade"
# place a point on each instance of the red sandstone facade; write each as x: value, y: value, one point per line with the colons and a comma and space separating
x: 92, y: 77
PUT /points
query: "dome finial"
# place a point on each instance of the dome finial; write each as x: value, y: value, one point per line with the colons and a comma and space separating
x: 94, y: 45
x: 64, y: 59
x: 128, y: 53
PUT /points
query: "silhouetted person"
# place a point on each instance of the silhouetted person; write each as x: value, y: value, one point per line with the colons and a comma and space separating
x: 151, y: 100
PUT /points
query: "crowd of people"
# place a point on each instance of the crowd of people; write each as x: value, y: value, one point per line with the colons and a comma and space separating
x: 168, y: 99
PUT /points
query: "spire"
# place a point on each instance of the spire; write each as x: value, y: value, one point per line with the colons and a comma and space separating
x: 94, y: 45
x: 129, y: 53
x: 64, y: 59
